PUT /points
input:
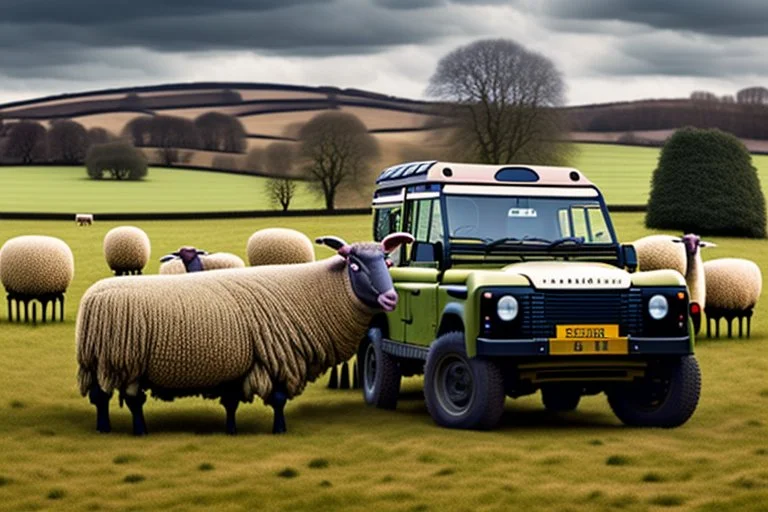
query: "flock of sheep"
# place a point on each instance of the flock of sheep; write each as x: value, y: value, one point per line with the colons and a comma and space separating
x: 727, y: 288
x: 272, y: 329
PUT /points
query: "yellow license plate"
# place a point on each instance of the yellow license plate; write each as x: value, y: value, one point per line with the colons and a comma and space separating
x: 588, y: 340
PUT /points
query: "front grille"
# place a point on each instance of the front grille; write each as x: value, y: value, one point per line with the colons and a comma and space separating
x: 549, y: 309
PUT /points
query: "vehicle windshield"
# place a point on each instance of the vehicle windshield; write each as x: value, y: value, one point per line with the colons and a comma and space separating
x: 504, y: 220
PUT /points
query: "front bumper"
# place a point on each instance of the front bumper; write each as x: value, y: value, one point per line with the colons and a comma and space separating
x: 637, y: 346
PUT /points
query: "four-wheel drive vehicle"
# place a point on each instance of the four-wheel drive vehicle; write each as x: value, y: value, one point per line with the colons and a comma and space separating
x: 516, y: 283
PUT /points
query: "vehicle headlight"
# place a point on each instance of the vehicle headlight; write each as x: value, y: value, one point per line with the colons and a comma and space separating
x: 507, y: 308
x: 658, y: 307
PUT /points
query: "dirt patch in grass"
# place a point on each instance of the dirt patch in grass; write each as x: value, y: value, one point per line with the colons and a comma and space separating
x: 445, y: 472
x: 618, y: 460
x: 125, y: 459
x: 667, y: 500
x: 56, y: 494
x: 17, y: 404
x: 318, y: 463
x: 288, y: 473
x: 134, y: 478
x: 205, y: 466
x: 653, y: 477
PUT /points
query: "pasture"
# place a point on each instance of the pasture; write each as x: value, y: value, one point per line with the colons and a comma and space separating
x: 68, y: 189
x: 340, y: 453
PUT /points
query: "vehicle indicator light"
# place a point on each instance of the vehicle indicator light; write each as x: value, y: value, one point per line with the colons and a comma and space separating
x: 695, y: 309
x: 487, y: 295
x: 680, y: 295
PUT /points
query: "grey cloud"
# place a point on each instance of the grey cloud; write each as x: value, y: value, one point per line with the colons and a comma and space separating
x: 737, y: 18
x: 672, y: 55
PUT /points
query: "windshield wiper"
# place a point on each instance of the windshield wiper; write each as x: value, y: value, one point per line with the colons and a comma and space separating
x: 508, y: 239
x: 577, y: 240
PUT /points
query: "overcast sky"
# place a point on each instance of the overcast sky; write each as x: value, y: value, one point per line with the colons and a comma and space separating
x: 608, y: 50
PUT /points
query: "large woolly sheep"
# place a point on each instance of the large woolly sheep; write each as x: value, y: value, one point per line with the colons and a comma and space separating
x: 189, y: 259
x: 279, y: 246
x: 231, y: 334
x: 127, y: 250
x: 36, y: 268
x: 733, y: 289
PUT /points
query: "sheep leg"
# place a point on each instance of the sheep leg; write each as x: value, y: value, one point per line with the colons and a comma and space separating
x: 101, y: 400
x: 135, y: 404
x: 333, y: 381
x: 344, y: 377
x: 355, y: 381
x: 10, y: 310
x: 230, y: 404
x: 278, y: 400
x: 61, y: 308
x: 44, y: 305
x: 749, y: 323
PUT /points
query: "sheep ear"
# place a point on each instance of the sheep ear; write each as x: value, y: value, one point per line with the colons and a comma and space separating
x: 333, y: 242
x: 704, y: 244
x: 677, y: 240
x: 167, y: 257
x: 395, y: 240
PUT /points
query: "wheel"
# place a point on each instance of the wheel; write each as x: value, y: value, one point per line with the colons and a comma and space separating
x: 666, y: 397
x: 462, y: 392
x: 560, y: 398
x: 379, y: 373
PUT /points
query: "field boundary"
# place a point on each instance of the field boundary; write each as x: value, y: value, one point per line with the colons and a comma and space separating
x: 245, y: 214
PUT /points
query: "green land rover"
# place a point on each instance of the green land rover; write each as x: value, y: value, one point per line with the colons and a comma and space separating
x: 516, y: 283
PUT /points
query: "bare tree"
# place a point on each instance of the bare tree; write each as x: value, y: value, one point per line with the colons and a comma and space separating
x: 337, y: 149
x: 281, y: 191
x: 503, y: 99
x: 26, y: 142
x: 221, y: 132
x: 67, y: 142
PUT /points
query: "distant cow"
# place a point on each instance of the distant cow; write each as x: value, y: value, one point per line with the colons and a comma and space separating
x: 84, y: 219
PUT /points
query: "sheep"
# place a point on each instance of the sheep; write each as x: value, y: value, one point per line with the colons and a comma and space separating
x: 279, y: 246
x: 189, y: 259
x: 127, y: 250
x: 84, y: 219
x: 36, y: 268
x: 657, y: 252
x: 733, y: 289
x: 232, y: 334
x: 282, y: 246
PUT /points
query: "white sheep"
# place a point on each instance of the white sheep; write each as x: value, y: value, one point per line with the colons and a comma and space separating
x: 733, y: 289
x: 189, y: 259
x: 657, y: 252
x: 36, y: 268
x: 232, y: 334
x: 84, y: 219
x: 127, y: 250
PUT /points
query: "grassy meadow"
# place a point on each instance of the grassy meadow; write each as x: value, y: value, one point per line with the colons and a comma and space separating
x: 68, y: 189
x: 339, y: 453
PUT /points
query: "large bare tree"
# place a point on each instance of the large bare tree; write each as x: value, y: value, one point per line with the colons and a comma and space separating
x: 503, y: 101
x: 337, y: 150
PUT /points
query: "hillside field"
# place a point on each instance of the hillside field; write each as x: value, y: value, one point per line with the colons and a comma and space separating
x: 623, y: 173
x: 340, y: 453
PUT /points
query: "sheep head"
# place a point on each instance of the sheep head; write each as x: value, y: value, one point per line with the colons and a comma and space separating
x: 693, y: 243
x: 369, y: 269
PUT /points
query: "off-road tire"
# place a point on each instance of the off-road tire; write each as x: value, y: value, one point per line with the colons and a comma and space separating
x: 380, y: 378
x: 560, y: 398
x: 447, y: 362
x: 673, y: 407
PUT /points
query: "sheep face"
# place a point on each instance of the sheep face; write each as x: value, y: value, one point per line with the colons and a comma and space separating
x: 369, y: 269
x: 693, y: 243
x: 189, y: 256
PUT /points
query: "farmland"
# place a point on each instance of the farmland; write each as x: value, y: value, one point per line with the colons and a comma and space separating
x: 340, y: 453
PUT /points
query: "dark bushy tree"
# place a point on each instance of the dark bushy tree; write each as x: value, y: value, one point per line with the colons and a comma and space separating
x: 705, y: 183
x: 118, y: 160
x: 221, y: 132
x: 138, y: 130
x: 26, y: 142
x: 67, y: 142
x: 98, y: 135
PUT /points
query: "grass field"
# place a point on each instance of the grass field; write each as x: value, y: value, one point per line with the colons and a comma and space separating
x: 67, y: 189
x: 623, y: 173
x: 340, y: 453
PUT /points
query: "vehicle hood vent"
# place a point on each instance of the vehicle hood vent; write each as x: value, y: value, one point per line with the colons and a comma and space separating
x: 572, y: 276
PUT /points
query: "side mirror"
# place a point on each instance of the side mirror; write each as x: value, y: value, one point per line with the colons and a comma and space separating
x: 629, y: 257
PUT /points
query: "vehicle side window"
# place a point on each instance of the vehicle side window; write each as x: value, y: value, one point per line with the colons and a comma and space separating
x: 387, y: 220
x: 425, y: 224
x: 598, y: 228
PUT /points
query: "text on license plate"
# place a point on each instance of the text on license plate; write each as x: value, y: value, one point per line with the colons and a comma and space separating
x: 588, y: 340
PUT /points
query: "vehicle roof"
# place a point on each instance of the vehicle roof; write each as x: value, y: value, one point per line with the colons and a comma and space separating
x: 434, y: 171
